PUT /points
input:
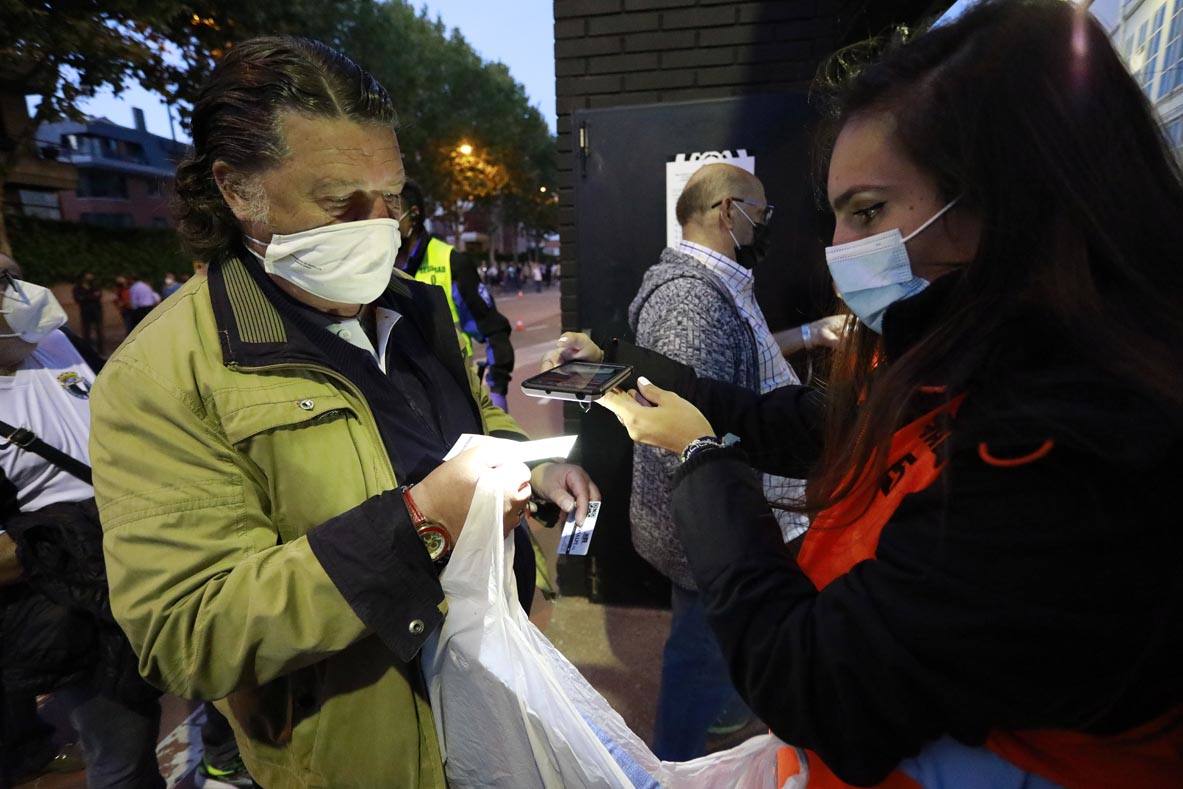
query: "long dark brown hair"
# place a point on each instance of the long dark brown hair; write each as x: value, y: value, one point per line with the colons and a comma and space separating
x: 236, y: 120
x: 1022, y: 108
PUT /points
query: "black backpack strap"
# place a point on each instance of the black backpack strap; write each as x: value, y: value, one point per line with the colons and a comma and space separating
x: 8, y: 503
x: 27, y: 440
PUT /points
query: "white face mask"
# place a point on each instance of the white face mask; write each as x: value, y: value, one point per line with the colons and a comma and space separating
x: 873, y: 273
x: 31, y: 311
x: 349, y: 263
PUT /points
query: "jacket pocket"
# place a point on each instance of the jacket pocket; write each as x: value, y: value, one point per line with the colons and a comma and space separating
x: 253, y: 419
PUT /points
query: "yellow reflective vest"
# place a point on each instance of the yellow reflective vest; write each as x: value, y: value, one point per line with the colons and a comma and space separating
x: 436, y: 269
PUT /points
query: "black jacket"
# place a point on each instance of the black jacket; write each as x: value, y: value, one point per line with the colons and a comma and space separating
x: 57, y: 625
x: 1043, y: 596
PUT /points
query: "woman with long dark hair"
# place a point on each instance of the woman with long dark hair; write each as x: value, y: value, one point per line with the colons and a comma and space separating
x: 990, y: 588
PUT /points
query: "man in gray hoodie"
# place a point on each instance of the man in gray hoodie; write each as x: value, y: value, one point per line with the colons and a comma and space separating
x: 697, y: 306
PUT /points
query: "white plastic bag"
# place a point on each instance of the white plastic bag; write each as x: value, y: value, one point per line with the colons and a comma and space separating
x: 511, y: 711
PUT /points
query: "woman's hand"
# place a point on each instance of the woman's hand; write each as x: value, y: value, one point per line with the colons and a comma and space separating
x: 445, y: 494
x: 663, y: 420
x: 567, y: 485
x: 572, y: 346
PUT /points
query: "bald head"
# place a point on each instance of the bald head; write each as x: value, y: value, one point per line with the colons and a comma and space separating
x: 713, y: 183
x: 717, y: 207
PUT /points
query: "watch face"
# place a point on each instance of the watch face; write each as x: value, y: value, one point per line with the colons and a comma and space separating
x: 435, y: 540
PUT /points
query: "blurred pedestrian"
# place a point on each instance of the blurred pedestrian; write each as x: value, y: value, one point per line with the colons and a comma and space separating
x: 141, y: 299
x: 171, y: 285
x: 89, y: 298
x: 123, y: 301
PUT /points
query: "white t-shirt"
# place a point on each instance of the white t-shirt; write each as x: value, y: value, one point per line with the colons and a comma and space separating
x: 50, y: 395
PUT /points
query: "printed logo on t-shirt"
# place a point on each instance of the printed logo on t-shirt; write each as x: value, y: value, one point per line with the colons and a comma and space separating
x: 75, y: 384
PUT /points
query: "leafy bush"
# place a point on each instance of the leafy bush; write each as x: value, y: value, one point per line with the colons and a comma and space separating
x: 52, y: 252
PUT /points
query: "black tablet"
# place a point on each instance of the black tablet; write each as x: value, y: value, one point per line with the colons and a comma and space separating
x: 583, y: 381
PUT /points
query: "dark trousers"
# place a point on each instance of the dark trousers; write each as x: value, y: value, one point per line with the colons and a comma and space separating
x: 135, y: 316
x: 26, y: 741
x: 119, y: 741
x: 92, y: 330
x: 217, y: 739
x: 524, y: 566
x: 695, y: 683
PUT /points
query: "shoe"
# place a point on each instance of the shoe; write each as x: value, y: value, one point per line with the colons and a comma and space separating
x: 228, y: 776
x: 732, y: 718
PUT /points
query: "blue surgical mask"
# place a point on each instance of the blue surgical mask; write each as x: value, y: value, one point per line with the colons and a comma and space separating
x: 874, y: 272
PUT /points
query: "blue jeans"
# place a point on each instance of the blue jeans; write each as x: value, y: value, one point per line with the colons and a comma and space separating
x: 695, y: 685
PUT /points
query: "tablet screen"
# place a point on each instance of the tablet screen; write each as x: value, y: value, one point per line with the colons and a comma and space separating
x: 577, y: 377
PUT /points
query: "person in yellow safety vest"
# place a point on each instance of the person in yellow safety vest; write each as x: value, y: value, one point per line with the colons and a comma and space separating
x: 431, y: 260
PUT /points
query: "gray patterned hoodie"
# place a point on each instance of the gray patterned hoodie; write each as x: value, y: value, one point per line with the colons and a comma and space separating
x: 685, y: 312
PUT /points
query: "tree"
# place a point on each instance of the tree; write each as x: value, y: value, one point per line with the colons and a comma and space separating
x: 67, y: 50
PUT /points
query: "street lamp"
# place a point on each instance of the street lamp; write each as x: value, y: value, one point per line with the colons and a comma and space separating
x: 465, y: 149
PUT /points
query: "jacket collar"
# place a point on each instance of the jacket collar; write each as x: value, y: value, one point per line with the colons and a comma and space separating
x: 907, y: 320
x: 255, y: 330
x: 418, y: 253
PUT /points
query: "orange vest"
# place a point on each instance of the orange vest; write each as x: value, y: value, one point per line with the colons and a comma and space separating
x: 847, y: 534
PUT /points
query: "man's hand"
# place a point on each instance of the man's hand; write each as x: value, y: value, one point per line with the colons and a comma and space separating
x: 445, y: 494
x: 827, y: 332
x: 572, y: 346
x: 10, y: 566
x: 567, y: 485
x: 664, y: 420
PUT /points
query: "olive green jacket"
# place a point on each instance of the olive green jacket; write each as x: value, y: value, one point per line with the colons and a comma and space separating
x: 256, y: 550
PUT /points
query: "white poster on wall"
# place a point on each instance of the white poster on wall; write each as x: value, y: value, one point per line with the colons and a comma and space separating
x: 678, y: 172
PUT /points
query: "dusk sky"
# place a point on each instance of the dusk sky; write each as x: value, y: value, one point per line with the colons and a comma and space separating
x: 518, y: 33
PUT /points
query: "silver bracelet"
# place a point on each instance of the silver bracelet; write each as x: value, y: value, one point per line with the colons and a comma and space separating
x: 698, y: 445
x: 806, y: 336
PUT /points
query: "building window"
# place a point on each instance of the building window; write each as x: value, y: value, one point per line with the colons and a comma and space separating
x: 1172, y: 63
x: 1152, y: 51
x: 1174, y: 131
x: 96, y: 183
x: 43, y: 205
x: 107, y: 220
x: 154, y: 188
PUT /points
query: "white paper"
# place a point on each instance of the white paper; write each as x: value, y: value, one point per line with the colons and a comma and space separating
x: 557, y: 448
x: 678, y: 172
x: 576, y: 539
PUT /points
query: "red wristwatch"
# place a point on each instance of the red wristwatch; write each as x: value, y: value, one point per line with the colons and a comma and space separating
x: 436, y: 538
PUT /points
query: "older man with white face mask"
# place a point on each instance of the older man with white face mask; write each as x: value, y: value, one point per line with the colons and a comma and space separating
x: 269, y: 443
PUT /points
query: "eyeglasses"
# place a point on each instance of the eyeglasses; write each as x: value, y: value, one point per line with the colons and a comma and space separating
x: 765, y: 215
x: 7, y: 278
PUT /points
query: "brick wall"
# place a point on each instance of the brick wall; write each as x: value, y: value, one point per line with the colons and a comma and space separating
x: 612, y: 53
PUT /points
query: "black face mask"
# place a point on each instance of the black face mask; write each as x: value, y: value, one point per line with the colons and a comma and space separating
x: 749, y: 255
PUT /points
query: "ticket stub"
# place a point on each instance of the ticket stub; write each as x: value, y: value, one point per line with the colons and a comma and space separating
x: 576, y: 539
x: 556, y: 448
